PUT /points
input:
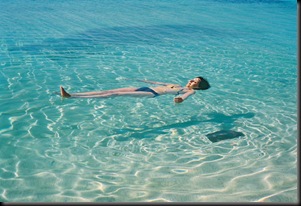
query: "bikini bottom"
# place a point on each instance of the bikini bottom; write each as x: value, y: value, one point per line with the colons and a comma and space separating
x: 147, y: 89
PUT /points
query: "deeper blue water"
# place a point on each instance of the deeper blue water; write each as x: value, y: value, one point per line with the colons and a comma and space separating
x: 236, y: 142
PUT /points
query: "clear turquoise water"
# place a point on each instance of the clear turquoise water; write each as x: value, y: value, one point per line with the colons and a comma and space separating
x: 127, y: 149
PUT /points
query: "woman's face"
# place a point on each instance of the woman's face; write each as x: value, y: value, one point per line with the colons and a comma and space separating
x: 194, y: 83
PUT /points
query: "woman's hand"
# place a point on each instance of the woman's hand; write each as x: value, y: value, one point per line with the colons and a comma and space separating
x: 178, y: 99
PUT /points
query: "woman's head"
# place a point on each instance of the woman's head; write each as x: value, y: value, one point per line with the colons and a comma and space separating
x: 198, y: 83
x: 203, y: 84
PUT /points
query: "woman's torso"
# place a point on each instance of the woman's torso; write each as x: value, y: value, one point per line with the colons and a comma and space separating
x: 170, y: 89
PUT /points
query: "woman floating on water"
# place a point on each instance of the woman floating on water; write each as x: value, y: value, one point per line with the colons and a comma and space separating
x: 198, y: 83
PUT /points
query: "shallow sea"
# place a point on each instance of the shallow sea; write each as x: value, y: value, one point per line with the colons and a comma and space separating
x: 236, y: 142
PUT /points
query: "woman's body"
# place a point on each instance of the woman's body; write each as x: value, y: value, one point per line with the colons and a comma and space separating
x: 164, y: 88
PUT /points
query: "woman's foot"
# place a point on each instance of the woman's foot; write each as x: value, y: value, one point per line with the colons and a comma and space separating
x: 64, y: 93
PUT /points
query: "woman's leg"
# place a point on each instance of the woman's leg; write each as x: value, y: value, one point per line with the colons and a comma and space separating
x: 115, y: 94
x: 80, y: 94
x: 108, y: 93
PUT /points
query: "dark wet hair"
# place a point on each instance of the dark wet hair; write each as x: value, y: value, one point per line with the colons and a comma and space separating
x: 203, y: 85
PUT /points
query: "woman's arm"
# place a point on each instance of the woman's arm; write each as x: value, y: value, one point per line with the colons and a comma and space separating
x: 181, y: 98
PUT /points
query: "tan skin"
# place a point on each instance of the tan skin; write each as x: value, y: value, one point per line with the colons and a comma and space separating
x: 164, y: 88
